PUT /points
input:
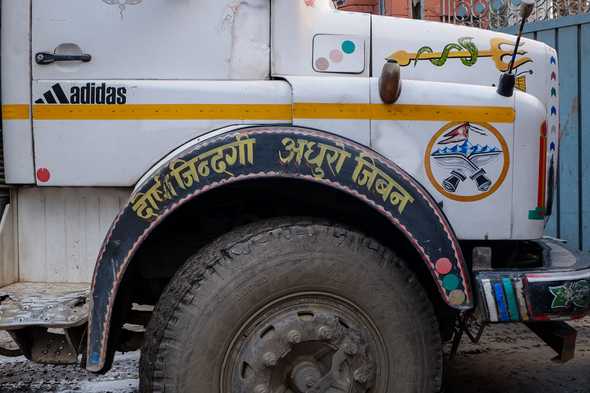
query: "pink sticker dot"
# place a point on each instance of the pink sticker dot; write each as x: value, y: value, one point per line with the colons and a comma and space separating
x: 43, y: 175
x: 336, y: 56
x: 322, y: 64
x: 444, y: 266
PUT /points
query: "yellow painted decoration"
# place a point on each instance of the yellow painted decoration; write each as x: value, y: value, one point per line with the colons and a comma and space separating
x: 183, y: 174
x: 521, y: 83
x: 322, y: 157
x: 499, y: 55
x: 333, y: 156
x: 367, y: 174
x: 403, y: 112
x: 276, y: 112
x: 164, y: 112
x: 16, y: 112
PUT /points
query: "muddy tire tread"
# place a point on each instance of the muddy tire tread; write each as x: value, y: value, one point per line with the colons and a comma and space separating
x: 185, y: 286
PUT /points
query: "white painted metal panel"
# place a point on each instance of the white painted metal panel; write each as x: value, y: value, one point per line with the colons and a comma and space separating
x: 8, y: 257
x: 61, y: 230
x: 296, y: 23
x: 16, y: 90
x: 338, y: 53
x: 197, y: 39
x: 103, y: 152
x: 406, y: 144
x: 323, y: 90
x: 402, y: 39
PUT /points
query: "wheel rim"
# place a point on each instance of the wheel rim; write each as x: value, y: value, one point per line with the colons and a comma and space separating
x: 306, y: 343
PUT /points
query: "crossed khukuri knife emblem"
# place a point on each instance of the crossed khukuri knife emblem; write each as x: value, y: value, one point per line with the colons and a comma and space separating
x: 500, y: 52
x: 464, y: 159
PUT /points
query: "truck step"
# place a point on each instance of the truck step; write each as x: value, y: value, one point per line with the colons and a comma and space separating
x: 49, y: 305
x: 46, y: 320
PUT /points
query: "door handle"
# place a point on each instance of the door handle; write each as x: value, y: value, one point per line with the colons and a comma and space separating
x: 44, y: 58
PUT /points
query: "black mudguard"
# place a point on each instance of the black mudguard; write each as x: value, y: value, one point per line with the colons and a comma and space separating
x: 271, y: 152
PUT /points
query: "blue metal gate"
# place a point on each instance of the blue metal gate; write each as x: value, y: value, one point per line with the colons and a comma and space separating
x: 570, y: 36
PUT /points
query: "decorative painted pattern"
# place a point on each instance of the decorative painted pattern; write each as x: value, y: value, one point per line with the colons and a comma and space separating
x: 503, y: 299
x: 549, y: 293
x: 539, y: 212
x: 467, y: 161
x: 575, y: 294
x: 548, y: 159
x: 338, y: 53
x: 467, y: 52
x: 279, y: 112
x: 278, y: 152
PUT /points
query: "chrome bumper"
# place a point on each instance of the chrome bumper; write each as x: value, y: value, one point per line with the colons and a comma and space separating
x: 558, y: 291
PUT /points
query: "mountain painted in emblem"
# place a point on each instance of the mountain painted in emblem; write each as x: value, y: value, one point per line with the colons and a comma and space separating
x: 466, y: 149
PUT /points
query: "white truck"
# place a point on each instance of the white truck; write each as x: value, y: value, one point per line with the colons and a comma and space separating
x: 274, y: 195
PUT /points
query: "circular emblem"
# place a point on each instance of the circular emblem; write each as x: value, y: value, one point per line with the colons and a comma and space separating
x: 467, y: 162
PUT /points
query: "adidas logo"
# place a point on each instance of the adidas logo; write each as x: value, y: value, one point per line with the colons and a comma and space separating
x: 87, y: 94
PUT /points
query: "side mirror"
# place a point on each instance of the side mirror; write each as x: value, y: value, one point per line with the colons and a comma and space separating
x: 526, y: 8
x: 390, y: 85
x: 508, y: 79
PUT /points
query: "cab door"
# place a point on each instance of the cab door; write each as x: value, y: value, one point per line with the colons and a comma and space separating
x: 106, y: 72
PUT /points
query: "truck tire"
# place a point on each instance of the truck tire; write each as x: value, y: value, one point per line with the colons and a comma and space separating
x: 293, y: 305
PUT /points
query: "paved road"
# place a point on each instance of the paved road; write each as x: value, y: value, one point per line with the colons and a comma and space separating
x: 509, y: 359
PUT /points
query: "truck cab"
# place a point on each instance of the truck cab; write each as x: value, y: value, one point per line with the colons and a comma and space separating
x: 228, y: 179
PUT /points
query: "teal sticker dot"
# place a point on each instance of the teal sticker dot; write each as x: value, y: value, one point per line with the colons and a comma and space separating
x: 451, y: 282
x: 348, y: 47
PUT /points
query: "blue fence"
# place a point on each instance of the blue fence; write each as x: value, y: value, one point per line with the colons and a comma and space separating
x: 570, y: 36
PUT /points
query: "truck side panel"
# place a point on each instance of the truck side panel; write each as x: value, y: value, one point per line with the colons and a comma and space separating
x: 61, y: 229
x: 153, y: 39
x: 16, y: 92
x: 94, y: 143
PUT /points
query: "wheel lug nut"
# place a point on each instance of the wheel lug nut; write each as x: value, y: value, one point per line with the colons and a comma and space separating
x: 351, y: 349
x: 270, y: 359
x: 261, y: 389
x: 325, y: 333
x: 294, y: 337
x: 360, y: 375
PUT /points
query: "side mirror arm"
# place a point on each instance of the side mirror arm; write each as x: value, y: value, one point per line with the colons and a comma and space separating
x: 390, y: 85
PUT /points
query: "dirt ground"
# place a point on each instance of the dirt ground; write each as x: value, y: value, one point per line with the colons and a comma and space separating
x: 509, y: 359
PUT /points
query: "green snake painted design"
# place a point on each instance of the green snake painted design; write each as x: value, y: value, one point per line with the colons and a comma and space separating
x: 463, y: 43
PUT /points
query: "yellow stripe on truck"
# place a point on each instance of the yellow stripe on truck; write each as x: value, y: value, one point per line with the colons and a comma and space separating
x: 404, y: 112
x: 16, y: 112
x: 276, y: 112
x: 164, y: 112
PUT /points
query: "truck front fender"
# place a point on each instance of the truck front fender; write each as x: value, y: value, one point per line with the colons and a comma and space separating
x: 274, y: 152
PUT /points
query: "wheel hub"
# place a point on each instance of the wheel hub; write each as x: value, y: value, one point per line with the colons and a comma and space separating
x: 305, y: 375
x: 306, y: 343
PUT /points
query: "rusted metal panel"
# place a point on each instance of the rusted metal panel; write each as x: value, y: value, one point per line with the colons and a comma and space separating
x: 44, y: 305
